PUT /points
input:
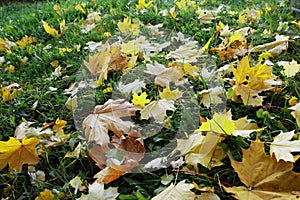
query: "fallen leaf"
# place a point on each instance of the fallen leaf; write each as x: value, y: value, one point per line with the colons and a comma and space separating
x: 15, y: 154
x: 97, y: 192
x: 244, y: 127
x: 163, y: 75
x: 212, y: 96
x: 263, y: 176
x: 46, y: 195
x: 129, y: 26
x: 187, y: 53
x: 252, y: 80
x: 50, y: 30
x: 282, y: 147
x: 290, y: 68
x: 108, y: 117
x: 140, y: 100
x: 170, y: 94
x: 180, y: 191
x: 157, y: 110
x: 76, y: 183
x: 135, y: 86
x: 275, y: 48
x: 219, y: 124
x: 296, y: 113
x: 143, y: 5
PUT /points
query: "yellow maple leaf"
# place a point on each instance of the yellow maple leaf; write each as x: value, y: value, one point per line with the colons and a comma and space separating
x: 293, y: 101
x: 219, y: 124
x: 143, y: 5
x: 130, y: 47
x: 26, y: 40
x: 140, y: 100
x: 182, y: 5
x: 59, y: 124
x: 45, y: 195
x: 170, y: 94
x: 15, y: 154
x: 264, y: 56
x: 129, y: 28
x: 50, y: 29
x: 290, y: 68
x: 252, y: 80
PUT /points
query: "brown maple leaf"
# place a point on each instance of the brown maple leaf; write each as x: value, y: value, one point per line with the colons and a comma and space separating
x: 263, y: 176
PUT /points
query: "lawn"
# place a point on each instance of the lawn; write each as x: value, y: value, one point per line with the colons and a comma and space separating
x: 149, y: 99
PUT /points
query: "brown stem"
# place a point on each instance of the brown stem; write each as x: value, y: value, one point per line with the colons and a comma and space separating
x: 201, y: 175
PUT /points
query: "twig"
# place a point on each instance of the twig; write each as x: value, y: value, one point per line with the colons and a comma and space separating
x: 202, y: 175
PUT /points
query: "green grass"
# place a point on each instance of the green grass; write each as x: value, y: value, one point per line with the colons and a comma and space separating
x: 20, y: 19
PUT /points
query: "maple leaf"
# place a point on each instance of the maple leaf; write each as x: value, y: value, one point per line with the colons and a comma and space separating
x: 290, y: 68
x: 189, y: 52
x: 10, y: 92
x: 157, y: 110
x: 140, y: 100
x: 203, y: 150
x: 282, y: 147
x: 212, y: 96
x: 5, y: 44
x: 252, y: 80
x: 135, y: 86
x: 108, y: 117
x: 143, y: 5
x: 131, y: 47
x: 107, y: 59
x: 99, y: 62
x: 275, y: 48
x: 59, y: 124
x: 296, y: 112
x: 97, y: 192
x: 244, y: 127
x: 263, y: 176
x: 164, y: 75
x: 170, y: 94
x: 76, y: 183
x: 180, y: 191
x: 219, y: 124
x: 46, y: 195
x: 50, y: 30
x: 15, y: 154
x: 129, y: 28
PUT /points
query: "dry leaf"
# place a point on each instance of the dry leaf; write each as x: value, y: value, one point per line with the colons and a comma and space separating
x: 290, y: 68
x: 135, y: 86
x: 282, y: 147
x: 187, y: 53
x: 157, y: 110
x: 170, y: 94
x: 180, y: 191
x: 275, y: 48
x: 212, y: 96
x: 50, y: 30
x: 252, y: 80
x: 296, y: 113
x: 163, y: 75
x: 108, y: 117
x: 97, y: 192
x: 220, y: 123
x: 15, y: 154
x: 129, y: 26
x: 263, y: 176
x: 244, y: 127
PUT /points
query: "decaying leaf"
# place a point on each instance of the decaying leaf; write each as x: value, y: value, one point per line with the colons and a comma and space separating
x: 135, y: 86
x: 263, y: 176
x: 212, y: 96
x: 187, y: 53
x: 15, y: 154
x: 97, y: 192
x: 199, y: 149
x: 280, y: 44
x: 290, y: 68
x: 163, y: 75
x: 170, y: 94
x: 282, y: 147
x: 296, y: 112
x: 108, y: 117
x: 180, y: 191
x: 157, y: 110
x: 252, y: 80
